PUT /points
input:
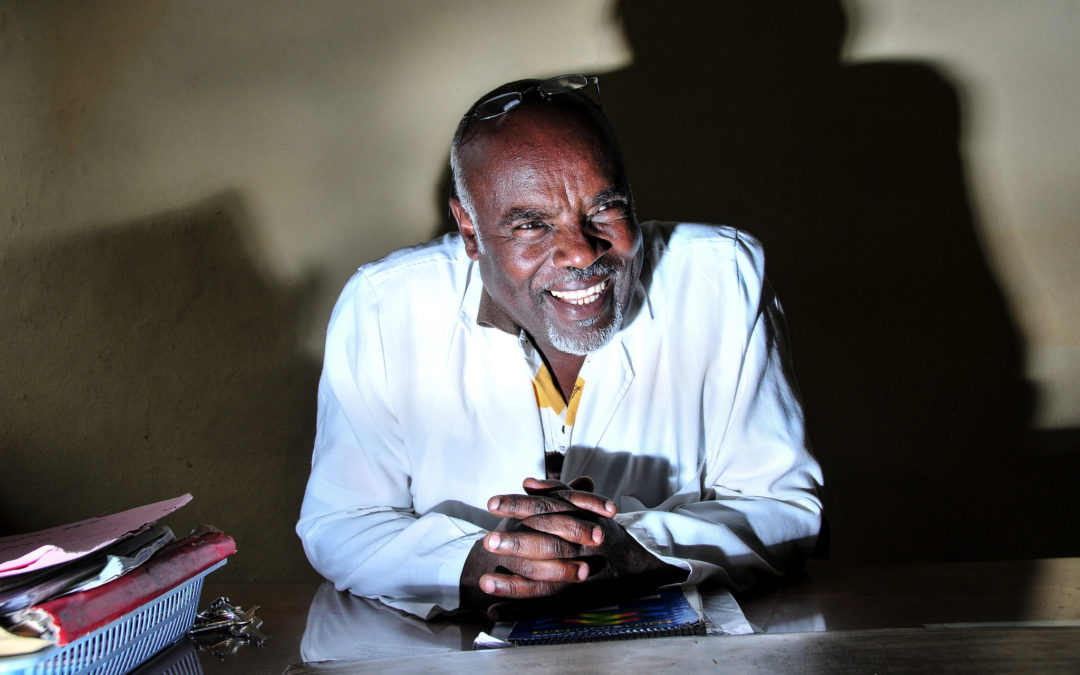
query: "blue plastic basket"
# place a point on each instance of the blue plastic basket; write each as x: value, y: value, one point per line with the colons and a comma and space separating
x: 120, y: 645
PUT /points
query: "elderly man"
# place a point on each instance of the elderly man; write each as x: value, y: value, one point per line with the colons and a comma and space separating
x: 560, y: 403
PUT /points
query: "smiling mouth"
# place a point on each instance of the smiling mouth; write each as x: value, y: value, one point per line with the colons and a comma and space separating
x: 584, y: 296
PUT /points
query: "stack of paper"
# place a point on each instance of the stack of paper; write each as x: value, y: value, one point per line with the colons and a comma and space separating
x: 62, y: 565
x: 70, y: 617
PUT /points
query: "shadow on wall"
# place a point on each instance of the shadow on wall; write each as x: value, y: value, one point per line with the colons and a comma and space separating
x: 149, y: 359
x: 909, y: 361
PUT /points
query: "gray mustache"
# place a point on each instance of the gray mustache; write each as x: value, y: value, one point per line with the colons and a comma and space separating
x: 598, y: 268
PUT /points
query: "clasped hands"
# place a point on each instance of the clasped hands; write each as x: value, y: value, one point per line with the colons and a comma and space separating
x: 559, y: 542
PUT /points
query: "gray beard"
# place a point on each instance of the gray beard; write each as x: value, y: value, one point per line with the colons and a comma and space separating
x: 591, y: 340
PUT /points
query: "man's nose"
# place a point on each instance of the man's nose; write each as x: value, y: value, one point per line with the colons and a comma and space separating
x: 577, y: 247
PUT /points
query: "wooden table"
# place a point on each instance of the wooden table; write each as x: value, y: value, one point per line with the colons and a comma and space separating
x: 1021, y: 616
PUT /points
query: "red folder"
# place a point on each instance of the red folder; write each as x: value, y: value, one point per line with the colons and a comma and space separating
x: 77, y: 614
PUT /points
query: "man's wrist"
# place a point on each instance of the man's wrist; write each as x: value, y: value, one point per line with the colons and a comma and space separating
x: 649, y: 567
x: 478, y: 562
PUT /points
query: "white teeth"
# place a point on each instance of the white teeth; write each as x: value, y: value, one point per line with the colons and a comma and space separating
x: 584, y: 296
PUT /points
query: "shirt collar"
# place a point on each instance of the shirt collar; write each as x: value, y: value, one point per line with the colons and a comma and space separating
x: 490, y: 315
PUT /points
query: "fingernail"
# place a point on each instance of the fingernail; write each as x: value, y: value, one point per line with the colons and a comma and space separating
x: 487, y: 586
x: 597, y: 535
x: 493, y: 503
x: 583, y: 572
x: 492, y: 542
x: 610, y: 507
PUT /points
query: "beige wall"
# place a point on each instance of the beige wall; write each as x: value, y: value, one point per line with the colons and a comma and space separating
x: 1015, y: 67
x: 184, y: 187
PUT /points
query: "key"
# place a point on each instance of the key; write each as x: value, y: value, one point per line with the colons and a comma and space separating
x: 251, y: 631
x: 224, y: 617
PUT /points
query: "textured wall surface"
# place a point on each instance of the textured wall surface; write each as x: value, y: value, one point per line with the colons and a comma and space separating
x: 185, y: 186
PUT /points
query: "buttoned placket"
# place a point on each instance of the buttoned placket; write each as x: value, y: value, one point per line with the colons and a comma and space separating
x: 558, y: 436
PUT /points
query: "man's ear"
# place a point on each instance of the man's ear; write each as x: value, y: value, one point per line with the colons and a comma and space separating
x: 466, y: 227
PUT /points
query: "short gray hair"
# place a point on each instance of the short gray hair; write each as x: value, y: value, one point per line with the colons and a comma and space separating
x: 457, y: 175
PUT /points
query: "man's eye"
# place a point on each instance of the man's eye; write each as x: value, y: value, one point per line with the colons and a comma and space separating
x: 610, y: 210
x: 531, y: 227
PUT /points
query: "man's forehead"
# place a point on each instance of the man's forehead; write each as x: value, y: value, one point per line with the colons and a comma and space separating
x: 533, y: 131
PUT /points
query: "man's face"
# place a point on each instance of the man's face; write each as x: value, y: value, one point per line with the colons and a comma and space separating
x: 558, y: 247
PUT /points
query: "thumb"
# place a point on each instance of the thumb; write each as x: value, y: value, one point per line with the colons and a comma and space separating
x: 583, y: 483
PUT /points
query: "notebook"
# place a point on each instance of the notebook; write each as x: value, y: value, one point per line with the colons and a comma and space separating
x: 664, y: 612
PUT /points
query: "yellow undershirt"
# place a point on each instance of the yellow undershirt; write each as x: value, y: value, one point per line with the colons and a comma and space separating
x: 557, y: 417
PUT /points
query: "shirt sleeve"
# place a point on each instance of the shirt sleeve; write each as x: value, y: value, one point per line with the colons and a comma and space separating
x: 755, y: 507
x: 357, y: 522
